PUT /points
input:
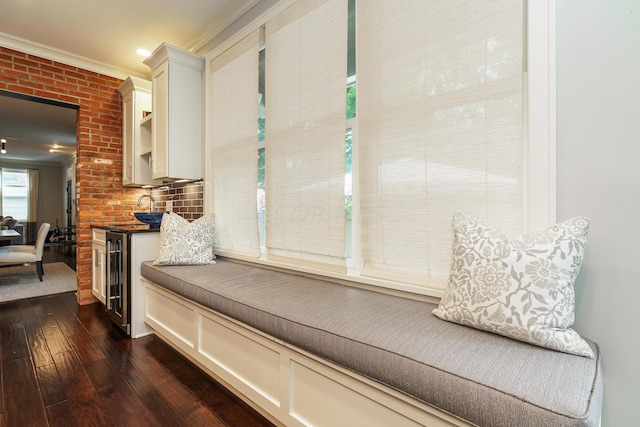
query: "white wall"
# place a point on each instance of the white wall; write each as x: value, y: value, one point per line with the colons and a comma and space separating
x: 598, y: 139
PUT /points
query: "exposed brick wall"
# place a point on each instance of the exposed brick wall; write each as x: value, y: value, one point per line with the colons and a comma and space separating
x: 101, y: 198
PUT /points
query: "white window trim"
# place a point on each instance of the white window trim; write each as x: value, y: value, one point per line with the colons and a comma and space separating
x: 541, y: 110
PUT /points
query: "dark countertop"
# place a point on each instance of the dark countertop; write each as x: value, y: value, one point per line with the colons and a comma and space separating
x: 128, y: 227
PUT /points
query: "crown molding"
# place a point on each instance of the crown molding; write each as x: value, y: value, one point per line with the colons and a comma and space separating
x: 229, y: 13
x: 53, y: 54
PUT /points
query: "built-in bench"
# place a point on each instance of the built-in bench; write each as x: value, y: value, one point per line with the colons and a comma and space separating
x: 308, y: 351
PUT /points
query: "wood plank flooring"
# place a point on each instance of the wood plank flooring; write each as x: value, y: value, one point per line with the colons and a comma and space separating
x: 60, y: 253
x: 67, y: 365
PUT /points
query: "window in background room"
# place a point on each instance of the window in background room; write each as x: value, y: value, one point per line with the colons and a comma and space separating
x: 15, y: 194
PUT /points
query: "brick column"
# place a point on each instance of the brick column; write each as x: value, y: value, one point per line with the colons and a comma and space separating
x: 101, y: 198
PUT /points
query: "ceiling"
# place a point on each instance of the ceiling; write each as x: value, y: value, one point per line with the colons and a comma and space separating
x: 97, y: 36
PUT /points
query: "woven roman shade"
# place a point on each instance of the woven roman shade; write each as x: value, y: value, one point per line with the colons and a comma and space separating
x: 306, y: 67
x: 440, y: 128
x: 234, y: 141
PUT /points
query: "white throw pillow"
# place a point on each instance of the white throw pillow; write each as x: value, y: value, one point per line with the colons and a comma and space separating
x: 522, y: 288
x: 185, y: 243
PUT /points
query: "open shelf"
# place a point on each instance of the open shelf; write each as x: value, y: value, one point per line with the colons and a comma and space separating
x: 146, y: 121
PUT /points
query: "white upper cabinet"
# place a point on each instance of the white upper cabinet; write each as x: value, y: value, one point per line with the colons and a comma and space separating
x: 177, y: 98
x: 136, y: 132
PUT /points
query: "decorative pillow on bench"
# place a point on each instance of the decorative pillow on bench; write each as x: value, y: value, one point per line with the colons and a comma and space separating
x: 522, y: 288
x: 185, y: 243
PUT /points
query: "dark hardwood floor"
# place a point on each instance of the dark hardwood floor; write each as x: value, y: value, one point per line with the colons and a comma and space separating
x: 67, y: 365
x: 60, y: 253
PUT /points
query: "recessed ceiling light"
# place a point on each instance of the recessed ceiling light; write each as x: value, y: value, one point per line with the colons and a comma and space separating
x: 143, y: 52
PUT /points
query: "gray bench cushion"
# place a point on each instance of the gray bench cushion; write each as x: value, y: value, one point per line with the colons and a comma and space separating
x: 482, y: 378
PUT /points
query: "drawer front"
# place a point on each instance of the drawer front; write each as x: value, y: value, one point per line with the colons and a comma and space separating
x: 99, y: 236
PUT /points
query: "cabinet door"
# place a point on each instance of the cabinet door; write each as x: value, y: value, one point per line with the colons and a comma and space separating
x: 128, y: 135
x: 184, y: 146
x: 177, y: 114
x: 160, y: 122
x: 99, y: 272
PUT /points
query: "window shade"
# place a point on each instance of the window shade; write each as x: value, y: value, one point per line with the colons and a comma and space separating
x: 306, y: 67
x: 440, y: 95
x: 234, y: 155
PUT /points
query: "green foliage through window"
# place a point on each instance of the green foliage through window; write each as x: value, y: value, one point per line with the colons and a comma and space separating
x: 351, y: 102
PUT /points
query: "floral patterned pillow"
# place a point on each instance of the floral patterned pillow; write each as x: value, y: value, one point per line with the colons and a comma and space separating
x: 521, y: 288
x: 184, y: 243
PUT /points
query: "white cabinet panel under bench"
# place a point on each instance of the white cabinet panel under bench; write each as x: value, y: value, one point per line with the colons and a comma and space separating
x: 250, y: 358
x: 168, y: 314
x: 321, y: 395
x: 287, y: 385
